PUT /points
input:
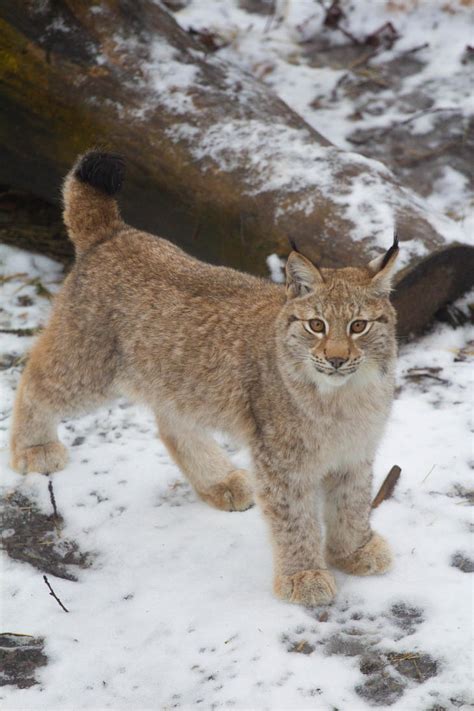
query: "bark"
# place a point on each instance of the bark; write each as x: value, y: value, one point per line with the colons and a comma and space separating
x: 216, y: 162
x: 388, y: 486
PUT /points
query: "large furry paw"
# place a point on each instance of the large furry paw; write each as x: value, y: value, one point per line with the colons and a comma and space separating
x: 233, y: 493
x: 307, y: 587
x: 372, y: 559
x: 43, y: 458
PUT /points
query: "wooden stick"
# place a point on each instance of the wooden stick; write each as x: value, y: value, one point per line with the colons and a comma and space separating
x: 53, y: 594
x: 386, y: 490
x: 53, y: 499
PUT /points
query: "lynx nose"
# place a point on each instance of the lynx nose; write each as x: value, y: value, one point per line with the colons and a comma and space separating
x: 337, y: 362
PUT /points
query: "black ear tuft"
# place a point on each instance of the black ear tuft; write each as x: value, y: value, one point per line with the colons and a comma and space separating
x: 389, y: 253
x: 293, y: 245
x: 104, y: 171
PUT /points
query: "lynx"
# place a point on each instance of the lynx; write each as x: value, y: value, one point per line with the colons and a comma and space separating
x: 302, y: 375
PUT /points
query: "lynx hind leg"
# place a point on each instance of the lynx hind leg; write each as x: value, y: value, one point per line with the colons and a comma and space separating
x: 64, y: 375
x: 34, y: 443
x: 43, y: 458
x: 210, y: 472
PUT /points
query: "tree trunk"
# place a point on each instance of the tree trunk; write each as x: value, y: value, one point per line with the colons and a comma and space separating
x: 216, y: 162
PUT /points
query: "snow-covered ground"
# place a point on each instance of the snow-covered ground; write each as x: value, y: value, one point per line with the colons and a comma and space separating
x: 176, y: 608
x: 418, y: 75
x: 173, y: 608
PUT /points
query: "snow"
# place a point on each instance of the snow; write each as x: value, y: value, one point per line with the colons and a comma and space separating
x: 176, y: 610
x: 276, y: 268
x: 277, y: 50
x: 170, y: 77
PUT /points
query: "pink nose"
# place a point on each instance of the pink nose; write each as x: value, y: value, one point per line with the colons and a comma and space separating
x: 336, y: 362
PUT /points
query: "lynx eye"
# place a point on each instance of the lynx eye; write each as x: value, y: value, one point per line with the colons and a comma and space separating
x: 317, y: 325
x: 358, y: 326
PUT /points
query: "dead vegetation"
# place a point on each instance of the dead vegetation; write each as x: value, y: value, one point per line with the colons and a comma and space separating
x: 20, y: 656
x: 35, y: 538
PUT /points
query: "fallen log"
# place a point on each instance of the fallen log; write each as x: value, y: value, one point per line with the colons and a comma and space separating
x: 217, y: 163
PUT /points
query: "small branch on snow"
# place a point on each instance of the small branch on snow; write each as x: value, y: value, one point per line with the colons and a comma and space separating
x: 385, y: 37
x: 270, y: 18
x: 379, y: 132
x: 426, y: 477
x: 53, y: 594
x: 418, y: 48
x: 53, y: 499
x: 386, y: 490
x: 334, y: 15
x: 20, y: 331
x: 57, y: 519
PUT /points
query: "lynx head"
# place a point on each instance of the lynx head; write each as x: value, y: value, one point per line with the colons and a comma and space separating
x: 339, y: 322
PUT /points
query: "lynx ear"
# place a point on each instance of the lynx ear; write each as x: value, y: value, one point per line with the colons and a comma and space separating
x: 302, y: 276
x: 382, y: 268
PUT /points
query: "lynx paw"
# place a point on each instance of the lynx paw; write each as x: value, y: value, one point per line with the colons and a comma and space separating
x: 43, y: 458
x: 233, y: 493
x: 372, y: 559
x: 307, y: 587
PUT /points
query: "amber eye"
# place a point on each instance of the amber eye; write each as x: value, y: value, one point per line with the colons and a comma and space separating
x: 358, y: 326
x: 317, y: 325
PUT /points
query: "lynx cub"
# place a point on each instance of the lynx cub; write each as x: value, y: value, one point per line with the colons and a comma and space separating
x: 302, y: 375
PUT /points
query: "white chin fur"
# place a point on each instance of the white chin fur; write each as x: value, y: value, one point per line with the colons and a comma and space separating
x: 328, y: 382
x: 365, y: 376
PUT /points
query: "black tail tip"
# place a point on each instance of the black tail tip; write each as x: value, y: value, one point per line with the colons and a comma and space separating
x: 104, y: 171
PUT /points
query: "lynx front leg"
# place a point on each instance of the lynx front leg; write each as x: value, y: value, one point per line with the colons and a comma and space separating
x: 211, y: 473
x: 351, y: 545
x: 289, y: 506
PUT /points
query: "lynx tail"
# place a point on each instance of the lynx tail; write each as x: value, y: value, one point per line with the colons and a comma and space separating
x: 91, y: 213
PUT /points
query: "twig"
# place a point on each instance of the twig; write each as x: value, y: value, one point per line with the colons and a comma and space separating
x: 386, y: 34
x: 372, y: 75
x: 426, y: 477
x: 270, y: 18
x: 20, y: 331
x: 378, y: 133
x: 418, y: 48
x: 416, y: 373
x: 40, y: 288
x: 56, y: 516
x: 386, y: 490
x: 52, y: 497
x: 416, y: 156
x: 334, y: 15
x: 53, y: 594
x: 9, y: 277
x: 363, y: 59
x: 366, y: 57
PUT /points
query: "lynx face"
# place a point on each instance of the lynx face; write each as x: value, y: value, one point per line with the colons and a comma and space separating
x: 339, y: 322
